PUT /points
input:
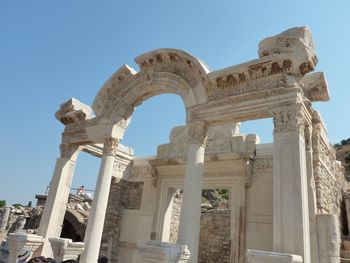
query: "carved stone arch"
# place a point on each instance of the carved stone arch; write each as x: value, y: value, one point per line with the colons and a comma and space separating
x: 162, y: 71
x: 74, y: 225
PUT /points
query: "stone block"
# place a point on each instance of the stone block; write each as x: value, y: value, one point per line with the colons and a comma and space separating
x: 258, y: 256
x: 152, y: 251
x: 65, y: 249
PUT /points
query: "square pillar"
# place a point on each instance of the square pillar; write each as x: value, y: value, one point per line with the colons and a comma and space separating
x: 291, y: 232
x: 152, y: 251
x: 56, y: 203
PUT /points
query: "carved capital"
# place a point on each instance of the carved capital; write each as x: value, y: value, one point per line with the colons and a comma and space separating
x: 288, y: 118
x: 67, y: 150
x: 197, y: 132
x: 110, y: 146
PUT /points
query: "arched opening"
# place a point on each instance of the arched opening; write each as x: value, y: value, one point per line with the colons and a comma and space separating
x: 152, y: 122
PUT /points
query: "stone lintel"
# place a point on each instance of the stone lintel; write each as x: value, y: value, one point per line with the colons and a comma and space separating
x: 250, y: 106
x: 258, y: 256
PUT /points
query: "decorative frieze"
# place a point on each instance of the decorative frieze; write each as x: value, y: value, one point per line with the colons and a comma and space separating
x: 262, y: 164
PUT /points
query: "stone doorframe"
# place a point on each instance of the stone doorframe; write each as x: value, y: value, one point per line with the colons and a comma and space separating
x: 233, y: 181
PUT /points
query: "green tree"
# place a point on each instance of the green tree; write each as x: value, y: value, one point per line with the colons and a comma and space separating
x: 2, y: 203
x: 30, y: 204
x: 17, y: 205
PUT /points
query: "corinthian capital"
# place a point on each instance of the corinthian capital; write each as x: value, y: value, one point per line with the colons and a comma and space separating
x: 110, y: 146
x: 289, y: 118
x: 197, y: 132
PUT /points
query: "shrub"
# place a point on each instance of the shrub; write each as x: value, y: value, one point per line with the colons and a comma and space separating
x: 2, y: 203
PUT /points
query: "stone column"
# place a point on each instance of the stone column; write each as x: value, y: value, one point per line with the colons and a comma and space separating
x: 291, y: 232
x: 94, y: 228
x: 56, y: 203
x: 4, y: 218
x: 189, y: 226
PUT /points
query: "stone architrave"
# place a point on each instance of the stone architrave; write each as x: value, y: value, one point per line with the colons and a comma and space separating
x: 257, y: 256
x: 95, y: 224
x: 152, y: 251
x: 291, y: 232
x: 64, y: 249
x: 20, y: 240
x: 189, y: 226
x: 55, y: 206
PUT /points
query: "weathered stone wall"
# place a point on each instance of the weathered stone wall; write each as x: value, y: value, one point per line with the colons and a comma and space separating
x: 215, y: 244
x: 328, y: 173
x: 175, y: 217
x: 123, y: 195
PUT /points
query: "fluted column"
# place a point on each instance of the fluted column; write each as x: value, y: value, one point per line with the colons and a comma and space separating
x: 189, y: 226
x: 56, y: 203
x: 94, y: 228
x: 291, y: 232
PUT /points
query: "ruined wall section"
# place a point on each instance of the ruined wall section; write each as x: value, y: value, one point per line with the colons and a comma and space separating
x: 123, y: 195
x: 215, y: 243
x: 328, y: 173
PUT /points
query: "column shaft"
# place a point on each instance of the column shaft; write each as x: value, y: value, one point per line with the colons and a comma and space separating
x: 189, y: 227
x: 95, y: 225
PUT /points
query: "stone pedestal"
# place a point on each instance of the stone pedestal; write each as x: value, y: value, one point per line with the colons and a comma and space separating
x: 189, y: 226
x: 18, y: 241
x: 93, y: 233
x: 64, y: 249
x: 291, y: 232
x: 152, y: 251
x: 257, y: 256
x: 55, y: 206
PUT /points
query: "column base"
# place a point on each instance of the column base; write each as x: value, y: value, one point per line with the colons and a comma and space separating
x: 18, y: 241
x: 152, y: 251
x: 64, y: 249
x: 257, y: 256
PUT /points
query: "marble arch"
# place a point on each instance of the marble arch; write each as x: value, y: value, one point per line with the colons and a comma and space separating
x: 279, y: 85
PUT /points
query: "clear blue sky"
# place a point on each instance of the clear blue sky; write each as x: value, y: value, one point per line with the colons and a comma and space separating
x: 53, y: 50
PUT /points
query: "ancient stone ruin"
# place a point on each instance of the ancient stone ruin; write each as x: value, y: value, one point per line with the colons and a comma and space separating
x: 286, y: 200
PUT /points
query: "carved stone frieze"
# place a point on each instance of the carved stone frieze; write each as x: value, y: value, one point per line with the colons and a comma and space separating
x: 259, y: 76
x: 110, y: 146
x: 197, y: 132
x: 262, y: 164
x: 197, y: 112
